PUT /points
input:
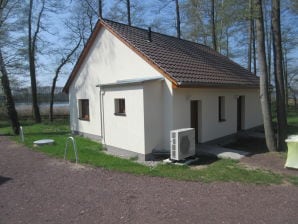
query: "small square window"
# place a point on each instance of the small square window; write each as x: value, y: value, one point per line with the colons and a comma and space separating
x: 221, y: 109
x: 120, y: 107
x: 84, y: 109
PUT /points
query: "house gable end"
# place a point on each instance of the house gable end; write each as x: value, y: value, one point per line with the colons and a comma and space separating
x: 101, y: 31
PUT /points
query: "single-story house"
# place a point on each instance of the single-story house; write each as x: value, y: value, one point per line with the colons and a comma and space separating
x: 130, y: 87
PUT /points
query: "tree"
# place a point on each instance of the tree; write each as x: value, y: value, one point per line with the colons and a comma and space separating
x: 264, y: 85
x: 178, y: 22
x: 293, y: 86
x: 279, y: 77
x: 167, y: 6
x: 32, y: 44
x: 121, y: 13
x: 10, y: 105
x: 91, y: 4
x: 85, y: 15
x: 196, y: 28
x: 63, y: 62
x: 128, y: 12
x: 100, y: 4
x: 252, y: 39
x: 213, y: 25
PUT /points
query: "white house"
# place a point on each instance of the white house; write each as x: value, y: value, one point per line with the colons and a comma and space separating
x: 130, y: 87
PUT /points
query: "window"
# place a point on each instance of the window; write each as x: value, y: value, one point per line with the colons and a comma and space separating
x: 221, y: 109
x: 84, y: 109
x: 120, y: 107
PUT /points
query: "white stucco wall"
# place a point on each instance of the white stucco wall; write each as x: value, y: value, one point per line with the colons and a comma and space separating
x: 83, y: 88
x: 108, y: 60
x: 153, y: 115
x: 125, y: 132
x: 211, y: 127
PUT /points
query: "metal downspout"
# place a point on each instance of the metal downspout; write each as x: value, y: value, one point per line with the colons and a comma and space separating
x: 102, y: 124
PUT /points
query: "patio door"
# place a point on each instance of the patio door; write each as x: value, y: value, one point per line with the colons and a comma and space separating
x: 195, y: 118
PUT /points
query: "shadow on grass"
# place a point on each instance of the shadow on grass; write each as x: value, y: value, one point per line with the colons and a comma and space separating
x: 205, y: 160
x: 6, y: 134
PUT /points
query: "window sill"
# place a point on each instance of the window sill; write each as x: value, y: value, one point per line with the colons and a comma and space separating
x: 120, y: 114
x: 84, y: 119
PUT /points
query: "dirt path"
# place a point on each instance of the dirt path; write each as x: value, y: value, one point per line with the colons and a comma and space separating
x: 269, y: 161
x: 37, y: 189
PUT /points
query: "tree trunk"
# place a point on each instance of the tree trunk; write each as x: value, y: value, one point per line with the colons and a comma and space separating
x: 128, y: 12
x: 254, y: 48
x: 250, y: 34
x: 10, y: 106
x: 227, y: 42
x: 51, y: 115
x: 285, y: 66
x: 178, y: 22
x: 266, y: 112
x: 268, y: 38
x: 279, y: 77
x: 100, y: 9
x: 213, y: 27
x: 32, y: 68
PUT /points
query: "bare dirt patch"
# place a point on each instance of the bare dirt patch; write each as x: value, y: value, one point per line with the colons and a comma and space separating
x: 274, y: 162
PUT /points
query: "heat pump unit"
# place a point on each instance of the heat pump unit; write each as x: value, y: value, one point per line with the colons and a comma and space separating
x: 182, y: 143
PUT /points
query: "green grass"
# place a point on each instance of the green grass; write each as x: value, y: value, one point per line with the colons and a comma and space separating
x: 90, y: 152
x: 293, y: 121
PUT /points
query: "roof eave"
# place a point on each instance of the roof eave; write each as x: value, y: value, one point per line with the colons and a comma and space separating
x: 216, y: 85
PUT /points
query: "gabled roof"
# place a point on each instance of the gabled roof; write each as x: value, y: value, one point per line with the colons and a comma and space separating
x: 184, y: 63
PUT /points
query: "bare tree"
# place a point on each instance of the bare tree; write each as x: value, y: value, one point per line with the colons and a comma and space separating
x: 10, y: 105
x: 293, y: 86
x: 32, y: 43
x: 213, y: 25
x: 279, y: 77
x: 167, y: 6
x: 252, y: 40
x: 178, y: 20
x: 264, y: 86
x: 63, y: 62
x: 128, y: 12
x: 99, y: 9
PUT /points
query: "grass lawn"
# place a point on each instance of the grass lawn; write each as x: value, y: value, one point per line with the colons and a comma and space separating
x: 293, y: 121
x: 90, y: 152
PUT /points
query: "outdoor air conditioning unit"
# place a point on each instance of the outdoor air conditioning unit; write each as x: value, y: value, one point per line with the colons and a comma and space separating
x: 182, y: 143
